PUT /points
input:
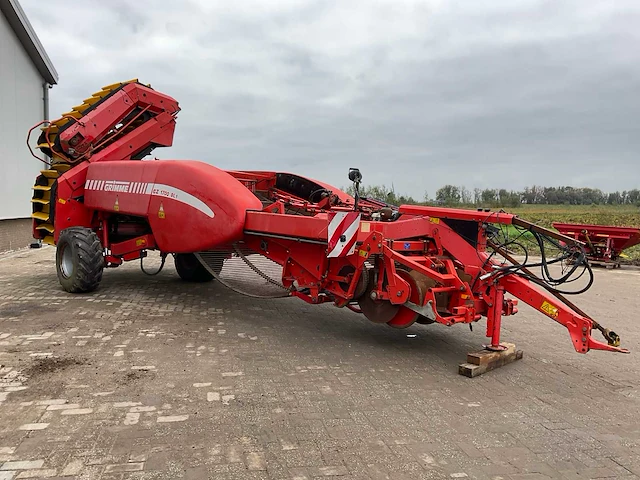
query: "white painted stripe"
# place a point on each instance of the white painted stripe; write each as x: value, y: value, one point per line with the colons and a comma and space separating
x: 349, y: 233
x: 157, y: 190
x: 335, y: 222
x: 173, y: 193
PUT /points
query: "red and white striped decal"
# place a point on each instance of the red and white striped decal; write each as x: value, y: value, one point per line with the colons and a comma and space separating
x: 153, y: 189
x: 342, y: 233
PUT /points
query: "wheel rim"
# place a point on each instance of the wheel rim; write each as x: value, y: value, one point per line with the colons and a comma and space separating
x: 66, y: 262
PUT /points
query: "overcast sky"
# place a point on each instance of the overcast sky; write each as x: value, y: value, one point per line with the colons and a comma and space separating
x: 497, y: 93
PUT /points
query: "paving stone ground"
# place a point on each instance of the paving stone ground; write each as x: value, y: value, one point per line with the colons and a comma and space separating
x: 153, y: 378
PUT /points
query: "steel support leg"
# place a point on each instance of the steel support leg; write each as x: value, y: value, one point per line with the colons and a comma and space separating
x: 494, y: 319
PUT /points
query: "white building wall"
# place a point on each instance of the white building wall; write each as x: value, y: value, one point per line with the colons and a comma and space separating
x: 21, y: 106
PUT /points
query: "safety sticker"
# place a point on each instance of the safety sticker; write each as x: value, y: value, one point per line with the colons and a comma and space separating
x: 116, y: 206
x: 161, y: 211
x: 549, y: 309
x: 434, y: 220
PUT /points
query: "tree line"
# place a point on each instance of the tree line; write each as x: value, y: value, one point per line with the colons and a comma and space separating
x: 451, y: 195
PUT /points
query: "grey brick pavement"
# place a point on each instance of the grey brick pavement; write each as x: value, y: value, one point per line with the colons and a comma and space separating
x: 153, y: 378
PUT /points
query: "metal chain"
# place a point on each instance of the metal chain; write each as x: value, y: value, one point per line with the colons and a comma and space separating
x: 238, y: 290
x: 255, y: 269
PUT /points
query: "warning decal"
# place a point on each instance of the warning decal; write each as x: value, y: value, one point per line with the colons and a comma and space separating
x: 549, y: 309
x: 342, y: 233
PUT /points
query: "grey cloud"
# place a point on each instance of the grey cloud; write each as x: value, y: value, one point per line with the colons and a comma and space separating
x: 415, y: 93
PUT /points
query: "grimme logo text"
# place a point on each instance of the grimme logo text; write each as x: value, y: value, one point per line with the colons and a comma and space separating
x: 113, y: 186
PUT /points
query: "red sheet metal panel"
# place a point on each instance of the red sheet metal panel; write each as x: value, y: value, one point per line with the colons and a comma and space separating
x: 190, y: 206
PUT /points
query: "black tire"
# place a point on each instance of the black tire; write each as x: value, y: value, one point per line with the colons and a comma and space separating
x: 190, y: 269
x: 79, y: 260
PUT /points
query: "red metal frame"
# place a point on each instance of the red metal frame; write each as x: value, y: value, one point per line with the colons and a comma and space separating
x: 94, y: 138
x: 384, y: 239
x: 181, y: 206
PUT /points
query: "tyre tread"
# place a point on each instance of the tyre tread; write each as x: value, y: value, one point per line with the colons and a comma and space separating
x: 88, y: 269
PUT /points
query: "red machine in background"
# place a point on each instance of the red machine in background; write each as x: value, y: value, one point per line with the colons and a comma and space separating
x: 603, y: 244
x: 101, y: 203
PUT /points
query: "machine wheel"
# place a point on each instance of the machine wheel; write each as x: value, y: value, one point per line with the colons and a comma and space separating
x: 191, y: 270
x: 79, y: 260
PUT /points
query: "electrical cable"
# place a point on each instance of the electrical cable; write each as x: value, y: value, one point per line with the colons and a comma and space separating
x: 546, y: 279
x: 315, y: 192
x: 151, y: 274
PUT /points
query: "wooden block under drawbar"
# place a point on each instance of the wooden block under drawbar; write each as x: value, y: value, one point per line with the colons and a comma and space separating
x: 470, y: 370
x: 485, y: 357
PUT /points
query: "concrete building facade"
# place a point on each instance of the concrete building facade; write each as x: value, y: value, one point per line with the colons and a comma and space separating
x: 26, y: 75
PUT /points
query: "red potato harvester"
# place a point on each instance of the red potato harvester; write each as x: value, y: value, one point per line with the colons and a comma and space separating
x: 101, y: 203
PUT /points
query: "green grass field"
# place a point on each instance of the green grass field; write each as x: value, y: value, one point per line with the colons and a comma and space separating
x: 545, y: 215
